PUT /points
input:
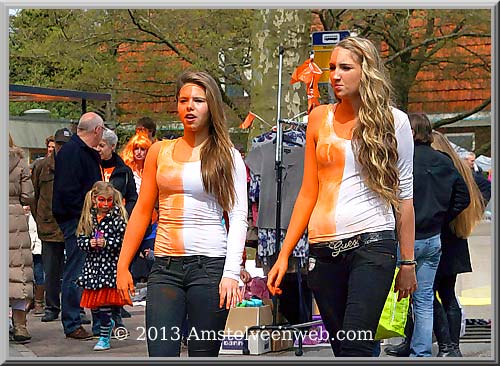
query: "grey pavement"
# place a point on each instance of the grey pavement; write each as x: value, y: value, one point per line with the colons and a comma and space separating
x: 49, y: 341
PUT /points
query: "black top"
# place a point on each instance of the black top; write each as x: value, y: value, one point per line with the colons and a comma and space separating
x: 439, y: 191
x: 77, y: 168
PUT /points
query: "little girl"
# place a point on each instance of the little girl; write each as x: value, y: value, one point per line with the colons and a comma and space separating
x: 100, y: 234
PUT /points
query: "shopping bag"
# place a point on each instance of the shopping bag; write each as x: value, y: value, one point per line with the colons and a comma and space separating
x: 393, y: 319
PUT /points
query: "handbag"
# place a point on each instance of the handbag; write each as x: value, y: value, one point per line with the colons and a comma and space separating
x: 393, y: 318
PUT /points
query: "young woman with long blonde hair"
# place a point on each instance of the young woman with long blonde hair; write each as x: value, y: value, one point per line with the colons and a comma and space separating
x: 455, y: 257
x: 356, y: 190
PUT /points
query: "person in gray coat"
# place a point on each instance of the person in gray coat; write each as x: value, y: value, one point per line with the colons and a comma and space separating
x: 20, y: 258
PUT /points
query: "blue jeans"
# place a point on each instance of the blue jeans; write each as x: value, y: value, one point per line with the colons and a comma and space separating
x: 38, y: 274
x: 180, y: 285
x: 427, y: 255
x: 71, y: 293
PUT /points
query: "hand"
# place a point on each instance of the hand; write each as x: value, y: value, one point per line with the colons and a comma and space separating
x: 245, y: 276
x: 276, y: 274
x: 101, y: 242
x: 406, y: 281
x: 229, y: 292
x: 93, y: 243
x: 125, y: 285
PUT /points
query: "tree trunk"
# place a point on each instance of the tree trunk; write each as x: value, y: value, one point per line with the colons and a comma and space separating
x: 272, y: 28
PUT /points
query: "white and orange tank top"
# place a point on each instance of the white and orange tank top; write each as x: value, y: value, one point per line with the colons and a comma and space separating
x: 345, y: 205
x: 190, y: 220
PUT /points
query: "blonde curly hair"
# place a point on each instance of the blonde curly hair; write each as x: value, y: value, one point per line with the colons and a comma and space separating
x: 374, y: 137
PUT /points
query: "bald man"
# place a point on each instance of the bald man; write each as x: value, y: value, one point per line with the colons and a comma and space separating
x: 77, y: 168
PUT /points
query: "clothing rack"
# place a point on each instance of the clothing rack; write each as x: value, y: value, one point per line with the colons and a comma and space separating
x: 279, y: 183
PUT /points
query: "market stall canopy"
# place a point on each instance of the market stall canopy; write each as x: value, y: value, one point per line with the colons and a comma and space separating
x: 24, y: 93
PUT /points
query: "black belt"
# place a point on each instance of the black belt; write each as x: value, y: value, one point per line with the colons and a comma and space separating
x: 334, y: 247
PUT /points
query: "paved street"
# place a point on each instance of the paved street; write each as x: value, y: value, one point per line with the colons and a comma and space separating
x: 474, y: 290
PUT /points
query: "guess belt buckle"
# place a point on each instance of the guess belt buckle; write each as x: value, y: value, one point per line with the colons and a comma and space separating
x: 339, y: 246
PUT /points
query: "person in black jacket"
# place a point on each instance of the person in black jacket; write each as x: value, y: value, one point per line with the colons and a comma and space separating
x: 121, y: 177
x: 116, y: 171
x: 455, y: 258
x: 441, y: 195
x: 77, y: 168
x: 482, y: 182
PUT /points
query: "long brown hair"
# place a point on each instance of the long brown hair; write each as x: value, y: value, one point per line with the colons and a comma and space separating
x: 217, y: 164
x: 374, y: 137
x: 86, y: 225
x: 464, y: 223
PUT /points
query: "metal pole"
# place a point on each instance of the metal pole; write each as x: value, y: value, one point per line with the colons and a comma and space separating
x: 279, y: 172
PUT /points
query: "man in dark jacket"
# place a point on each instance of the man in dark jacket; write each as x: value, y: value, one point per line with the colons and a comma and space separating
x: 49, y: 232
x: 482, y: 182
x: 441, y: 195
x: 77, y: 168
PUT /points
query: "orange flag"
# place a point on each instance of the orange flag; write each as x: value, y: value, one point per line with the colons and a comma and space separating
x: 309, y: 73
x: 248, y: 120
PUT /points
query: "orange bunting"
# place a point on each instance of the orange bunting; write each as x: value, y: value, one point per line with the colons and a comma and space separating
x: 248, y: 120
x: 309, y: 73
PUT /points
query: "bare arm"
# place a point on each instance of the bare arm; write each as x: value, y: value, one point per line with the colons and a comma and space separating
x: 304, y: 205
x: 139, y: 221
x: 406, y: 282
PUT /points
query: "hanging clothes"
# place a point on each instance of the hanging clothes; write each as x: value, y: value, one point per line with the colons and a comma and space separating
x: 262, y: 189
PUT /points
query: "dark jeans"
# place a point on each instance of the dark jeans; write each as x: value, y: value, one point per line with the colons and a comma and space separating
x: 53, y: 265
x: 38, y: 275
x: 180, y: 285
x: 350, y: 291
x: 447, y: 313
x: 71, y: 292
x: 295, y: 303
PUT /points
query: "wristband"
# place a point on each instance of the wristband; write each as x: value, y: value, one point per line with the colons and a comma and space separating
x: 408, y: 262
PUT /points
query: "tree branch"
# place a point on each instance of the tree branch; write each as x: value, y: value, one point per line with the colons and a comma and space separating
x: 461, y: 116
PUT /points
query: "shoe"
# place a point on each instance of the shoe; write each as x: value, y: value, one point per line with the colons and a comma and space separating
x: 447, y: 350
x: 102, y: 344
x: 49, y: 317
x: 20, y: 331
x: 84, y: 319
x: 80, y: 333
x: 399, y: 350
x: 124, y: 313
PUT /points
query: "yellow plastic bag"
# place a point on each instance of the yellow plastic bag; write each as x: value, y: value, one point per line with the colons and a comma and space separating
x: 393, y: 319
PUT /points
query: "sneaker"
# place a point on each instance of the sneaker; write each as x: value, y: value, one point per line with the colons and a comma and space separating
x: 80, y: 334
x: 49, y: 317
x: 102, y: 344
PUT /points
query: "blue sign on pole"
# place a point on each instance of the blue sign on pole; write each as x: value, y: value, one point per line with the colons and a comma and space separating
x: 329, y: 38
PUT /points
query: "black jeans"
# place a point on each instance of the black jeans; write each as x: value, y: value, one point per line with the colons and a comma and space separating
x: 180, y: 285
x: 447, y: 313
x: 53, y: 266
x: 350, y: 291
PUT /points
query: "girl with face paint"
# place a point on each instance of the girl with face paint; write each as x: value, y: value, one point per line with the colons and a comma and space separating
x: 100, y: 234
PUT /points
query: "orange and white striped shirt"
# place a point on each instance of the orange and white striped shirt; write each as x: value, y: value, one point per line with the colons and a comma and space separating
x: 345, y: 205
x: 190, y: 220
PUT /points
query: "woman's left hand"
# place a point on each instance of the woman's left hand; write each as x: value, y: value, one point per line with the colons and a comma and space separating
x: 229, y: 292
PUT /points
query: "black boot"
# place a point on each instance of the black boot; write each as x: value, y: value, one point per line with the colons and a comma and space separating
x: 399, y: 350
x: 447, y: 350
x: 455, y: 322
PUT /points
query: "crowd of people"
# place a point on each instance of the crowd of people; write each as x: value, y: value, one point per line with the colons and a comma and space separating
x: 173, y: 213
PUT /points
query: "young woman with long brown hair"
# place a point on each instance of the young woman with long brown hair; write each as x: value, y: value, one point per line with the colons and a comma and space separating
x: 197, y: 263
